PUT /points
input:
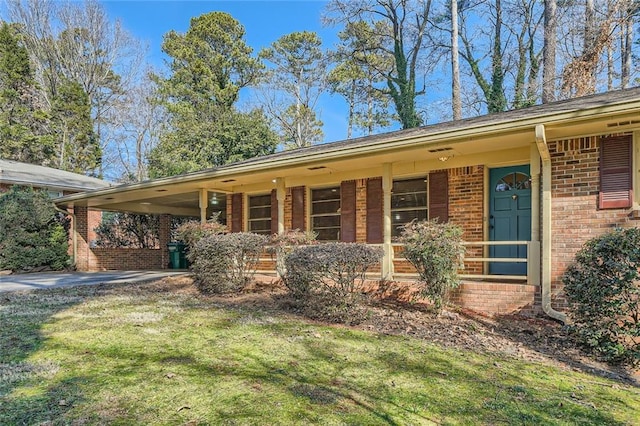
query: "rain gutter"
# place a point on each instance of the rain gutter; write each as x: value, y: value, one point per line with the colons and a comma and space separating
x: 543, y: 149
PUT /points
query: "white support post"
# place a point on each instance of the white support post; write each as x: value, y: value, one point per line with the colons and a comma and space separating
x: 204, y: 202
x: 387, y: 185
x: 281, y: 195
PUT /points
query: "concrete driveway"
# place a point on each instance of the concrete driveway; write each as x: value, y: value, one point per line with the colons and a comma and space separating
x: 65, y: 279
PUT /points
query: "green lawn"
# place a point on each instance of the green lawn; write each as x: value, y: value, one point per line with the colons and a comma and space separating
x: 156, y: 354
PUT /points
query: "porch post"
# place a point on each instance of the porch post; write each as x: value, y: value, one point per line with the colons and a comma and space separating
x: 387, y: 184
x: 533, y: 249
x: 535, y: 192
x: 164, y: 236
x: 281, y: 194
x: 204, y: 202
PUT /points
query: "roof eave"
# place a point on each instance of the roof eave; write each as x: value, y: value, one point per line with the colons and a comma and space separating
x: 450, y: 136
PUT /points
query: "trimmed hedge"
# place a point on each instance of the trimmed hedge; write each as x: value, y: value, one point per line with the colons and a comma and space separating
x: 325, y: 281
x: 225, y: 263
x: 436, y: 251
x: 603, y: 291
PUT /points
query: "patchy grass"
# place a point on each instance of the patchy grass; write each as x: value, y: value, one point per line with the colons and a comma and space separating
x: 158, y: 354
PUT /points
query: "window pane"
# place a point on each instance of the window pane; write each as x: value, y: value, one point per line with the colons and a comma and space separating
x: 260, y: 225
x: 323, y: 207
x: 325, y: 222
x: 523, y: 181
x: 325, y: 194
x: 328, y: 234
x: 260, y: 200
x: 410, y: 185
x: 408, y: 200
x: 402, y: 217
x: 260, y: 212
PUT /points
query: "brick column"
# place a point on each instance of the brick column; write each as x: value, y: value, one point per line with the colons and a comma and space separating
x: 164, y: 234
x: 81, y: 229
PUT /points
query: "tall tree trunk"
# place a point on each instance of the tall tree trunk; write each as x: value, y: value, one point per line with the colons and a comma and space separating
x: 549, y: 55
x: 590, y: 35
x: 455, y: 66
x: 627, y: 45
x: 497, y: 101
x: 611, y: 69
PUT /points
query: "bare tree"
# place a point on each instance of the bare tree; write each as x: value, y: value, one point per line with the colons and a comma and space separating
x: 76, y: 41
x: 456, y: 101
x: 549, y: 59
x: 408, y: 22
x: 139, y: 120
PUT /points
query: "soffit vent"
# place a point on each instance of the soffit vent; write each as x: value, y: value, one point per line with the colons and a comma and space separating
x: 623, y: 123
x: 440, y: 149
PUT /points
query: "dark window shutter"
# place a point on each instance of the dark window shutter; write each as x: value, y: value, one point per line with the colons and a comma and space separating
x: 374, y: 211
x: 297, y: 208
x: 348, y: 211
x: 616, y: 172
x: 439, y: 196
x: 274, y: 211
x: 236, y: 213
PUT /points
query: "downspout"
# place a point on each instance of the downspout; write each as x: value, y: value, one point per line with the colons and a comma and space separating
x: 543, y: 149
x: 74, y: 237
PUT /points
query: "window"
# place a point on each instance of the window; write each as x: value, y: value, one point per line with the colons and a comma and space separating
x: 325, y: 213
x: 260, y: 214
x: 513, y: 182
x: 218, y: 205
x: 408, y: 202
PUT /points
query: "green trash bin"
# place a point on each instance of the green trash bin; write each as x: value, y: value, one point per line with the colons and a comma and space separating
x: 177, y: 256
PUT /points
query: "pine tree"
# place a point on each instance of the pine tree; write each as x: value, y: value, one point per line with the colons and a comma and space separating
x: 22, y: 125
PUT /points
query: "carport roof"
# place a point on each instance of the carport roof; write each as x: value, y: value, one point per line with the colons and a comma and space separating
x: 609, y: 112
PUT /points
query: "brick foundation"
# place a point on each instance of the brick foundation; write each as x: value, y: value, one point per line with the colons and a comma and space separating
x: 104, y: 259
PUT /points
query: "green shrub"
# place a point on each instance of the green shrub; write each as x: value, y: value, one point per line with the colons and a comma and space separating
x: 128, y: 230
x: 225, y: 263
x: 32, y: 233
x: 436, y: 251
x: 282, y: 245
x: 325, y: 280
x: 192, y: 231
x: 603, y: 291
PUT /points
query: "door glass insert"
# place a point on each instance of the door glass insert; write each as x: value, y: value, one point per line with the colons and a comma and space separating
x: 513, y: 181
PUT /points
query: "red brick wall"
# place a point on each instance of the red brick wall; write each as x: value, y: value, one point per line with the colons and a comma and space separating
x: 288, y: 210
x: 496, y: 298
x: 466, y: 209
x: 99, y: 259
x: 575, y: 214
x: 361, y: 210
x: 124, y: 259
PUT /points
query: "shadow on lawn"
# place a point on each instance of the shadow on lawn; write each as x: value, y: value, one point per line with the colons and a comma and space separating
x: 541, y: 337
x: 323, y: 378
x: 23, y: 317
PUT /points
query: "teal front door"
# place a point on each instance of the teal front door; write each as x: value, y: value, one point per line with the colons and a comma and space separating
x: 509, y: 217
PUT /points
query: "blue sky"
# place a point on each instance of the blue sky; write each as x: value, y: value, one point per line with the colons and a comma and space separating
x: 264, y: 21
